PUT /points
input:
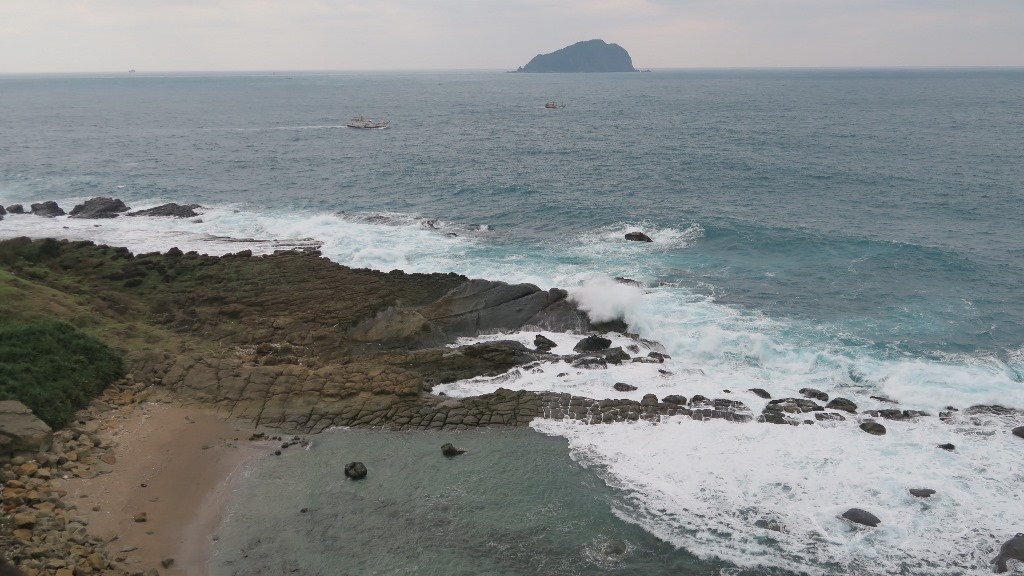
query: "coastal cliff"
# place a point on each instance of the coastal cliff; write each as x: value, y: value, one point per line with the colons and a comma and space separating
x: 586, y: 56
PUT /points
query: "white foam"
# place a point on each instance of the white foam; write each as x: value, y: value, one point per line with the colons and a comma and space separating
x: 707, y: 486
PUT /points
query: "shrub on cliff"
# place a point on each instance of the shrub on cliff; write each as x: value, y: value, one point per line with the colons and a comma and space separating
x: 54, y: 369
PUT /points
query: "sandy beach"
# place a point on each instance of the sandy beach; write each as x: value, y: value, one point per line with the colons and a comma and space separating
x: 174, y: 465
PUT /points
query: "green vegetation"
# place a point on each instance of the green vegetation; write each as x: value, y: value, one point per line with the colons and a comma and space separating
x: 54, y: 369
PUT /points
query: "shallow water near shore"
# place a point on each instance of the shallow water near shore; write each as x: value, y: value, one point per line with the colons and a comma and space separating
x: 515, y: 503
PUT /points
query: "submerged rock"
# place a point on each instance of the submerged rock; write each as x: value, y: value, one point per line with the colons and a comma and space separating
x: 947, y: 446
x: 355, y: 470
x: 761, y: 392
x: 863, y: 517
x: 450, y: 450
x: 623, y: 387
x: 922, y: 492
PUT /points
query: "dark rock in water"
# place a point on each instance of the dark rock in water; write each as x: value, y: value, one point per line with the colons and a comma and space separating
x: 2, y: 211
x: 761, y: 392
x: 355, y: 470
x: 815, y: 394
x: 873, y: 428
x: 674, y: 399
x: 623, y: 387
x: 884, y: 399
x: 922, y: 492
x: 1012, y: 549
x: 615, y: 355
x: 590, y: 362
x: 893, y: 414
x: 991, y: 410
x: 649, y: 400
x: 793, y: 406
x: 638, y: 237
x: 947, y: 446
x: 171, y: 210
x: 450, y: 450
x: 48, y: 209
x: 829, y: 416
x: 658, y: 356
x: 586, y: 56
x: 1018, y: 432
x: 16, y: 209
x: 99, y: 207
x: 592, y: 344
x: 722, y: 408
x: 615, y: 548
x: 628, y: 282
x: 543, y: 343
x: 842, y: 404
x: 858, y: 516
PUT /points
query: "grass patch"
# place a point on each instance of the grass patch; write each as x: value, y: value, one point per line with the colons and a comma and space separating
x: 54, y: 369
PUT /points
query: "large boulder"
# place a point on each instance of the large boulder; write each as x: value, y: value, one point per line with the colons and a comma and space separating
x: 99, y: 207
x: 863, y: 517
x: 1012, y: 549
x: 21, y: 431
x: 171, y: 210
x: 543, y: 343
x: 16, y: 209
x: 2, y: 211
x: 592, y: 343
x: 48, y: 209
x: 1019, y: 431
x: 843, y: 404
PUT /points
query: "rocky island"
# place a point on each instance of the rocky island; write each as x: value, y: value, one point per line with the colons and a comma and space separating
x: 586, y: 56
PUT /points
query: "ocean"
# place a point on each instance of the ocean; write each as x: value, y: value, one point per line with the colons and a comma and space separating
x: 854, y: 231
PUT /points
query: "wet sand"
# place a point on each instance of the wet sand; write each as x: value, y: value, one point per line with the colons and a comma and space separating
x: 176, y: 465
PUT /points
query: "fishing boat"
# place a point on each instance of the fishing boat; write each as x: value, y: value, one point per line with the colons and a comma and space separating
x: 367, y: 123
x: 554, y: 104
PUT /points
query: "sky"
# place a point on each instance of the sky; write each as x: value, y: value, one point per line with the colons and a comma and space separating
x: 42, y: 36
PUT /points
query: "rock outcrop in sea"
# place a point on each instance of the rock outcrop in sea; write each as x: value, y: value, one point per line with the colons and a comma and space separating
x: 586, y: 56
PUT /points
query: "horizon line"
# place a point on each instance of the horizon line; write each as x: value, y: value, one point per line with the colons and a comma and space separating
x: 272, y: 71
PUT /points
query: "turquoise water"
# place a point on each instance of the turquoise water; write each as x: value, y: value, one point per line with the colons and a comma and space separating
x: 854, y: 231
x: 514, y: 504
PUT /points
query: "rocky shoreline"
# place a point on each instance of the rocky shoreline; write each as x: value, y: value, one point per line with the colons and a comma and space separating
x: 357, y: 348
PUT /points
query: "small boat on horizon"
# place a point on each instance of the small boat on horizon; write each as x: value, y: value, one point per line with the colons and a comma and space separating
x: 554, y: 104
x: 368, y: 123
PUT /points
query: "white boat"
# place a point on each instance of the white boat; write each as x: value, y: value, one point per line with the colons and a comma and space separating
x: 367, y: 123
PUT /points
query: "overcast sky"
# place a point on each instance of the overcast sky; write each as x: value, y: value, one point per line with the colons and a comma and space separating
x: 194, y: 35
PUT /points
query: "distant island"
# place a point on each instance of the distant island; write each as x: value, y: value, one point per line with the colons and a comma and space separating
x: 586, y: 56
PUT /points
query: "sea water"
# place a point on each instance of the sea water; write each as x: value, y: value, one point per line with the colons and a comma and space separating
x: 858, y: 232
